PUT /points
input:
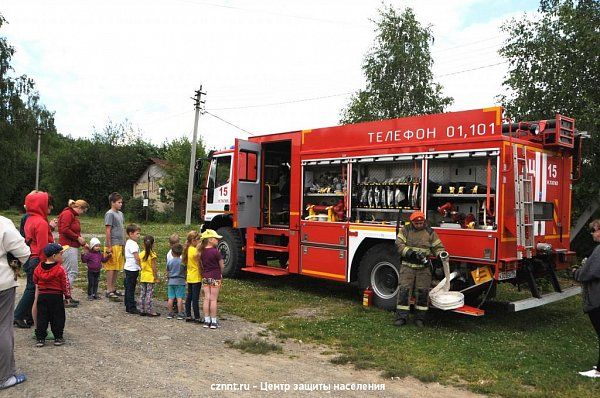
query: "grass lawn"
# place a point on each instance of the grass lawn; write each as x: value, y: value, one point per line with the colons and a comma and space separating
x: 535, y: 353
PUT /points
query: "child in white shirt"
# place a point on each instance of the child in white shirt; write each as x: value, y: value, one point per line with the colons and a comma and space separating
x: 132, y: 267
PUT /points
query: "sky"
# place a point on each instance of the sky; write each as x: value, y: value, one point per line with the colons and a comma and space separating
x: 266, y: 66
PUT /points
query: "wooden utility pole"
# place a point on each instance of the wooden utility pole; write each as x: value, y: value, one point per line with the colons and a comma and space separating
x: 197, y: 104
x: 39, y: 132
x: 148, y: 204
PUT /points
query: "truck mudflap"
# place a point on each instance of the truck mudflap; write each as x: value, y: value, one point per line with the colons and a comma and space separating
x: 533, y: 302
x: 468, y: 310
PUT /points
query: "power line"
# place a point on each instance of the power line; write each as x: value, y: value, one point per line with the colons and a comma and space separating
x: 282, y: 103
x: 229, y: 123
x: 340, y: 94
x: 465, y: 44
x: 271, y: 13
x: 460, y: 55
x: 167, y: 117
x: 472, y: 69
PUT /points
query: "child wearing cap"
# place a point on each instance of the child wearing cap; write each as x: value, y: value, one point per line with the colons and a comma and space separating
x: 212, y: 275
x: 93, y: 258
x: 51, y: 285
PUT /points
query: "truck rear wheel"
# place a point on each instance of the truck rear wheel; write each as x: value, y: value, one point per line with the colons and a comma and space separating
x: 379, y: 269
x: 230, y: 247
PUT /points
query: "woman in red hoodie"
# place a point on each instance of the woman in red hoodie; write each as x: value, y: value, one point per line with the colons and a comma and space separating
x: 69, y: 234
x: 37, y: 235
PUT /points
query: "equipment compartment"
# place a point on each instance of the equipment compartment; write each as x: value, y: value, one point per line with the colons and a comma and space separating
x: 462, y: 191
x: 325, y: 190
x: 384, y: 187
x: 324, y: 262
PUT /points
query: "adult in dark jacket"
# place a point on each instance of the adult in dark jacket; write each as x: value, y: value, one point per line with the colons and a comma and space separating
x: 69, y: 234
x: 415, y: 242
x: 589, y: 276
x: 37, y: 235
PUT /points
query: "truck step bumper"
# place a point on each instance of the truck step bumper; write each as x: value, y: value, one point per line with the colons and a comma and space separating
x: 533, y: 302
x: 266, y: 270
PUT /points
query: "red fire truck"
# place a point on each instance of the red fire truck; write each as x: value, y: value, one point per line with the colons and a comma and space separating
x: 327, y: 202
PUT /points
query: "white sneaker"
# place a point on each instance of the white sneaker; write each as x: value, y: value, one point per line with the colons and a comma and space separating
x: 590, y: 373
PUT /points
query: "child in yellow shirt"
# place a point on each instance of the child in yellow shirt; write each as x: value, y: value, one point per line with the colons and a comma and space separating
x: 148, y: 277
x: 193, y: 279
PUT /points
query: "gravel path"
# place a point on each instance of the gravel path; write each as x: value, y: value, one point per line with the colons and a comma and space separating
x: 109, y: 353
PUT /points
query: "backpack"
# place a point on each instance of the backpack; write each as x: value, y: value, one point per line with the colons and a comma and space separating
x: 22, y: 228
x: 22, y: 224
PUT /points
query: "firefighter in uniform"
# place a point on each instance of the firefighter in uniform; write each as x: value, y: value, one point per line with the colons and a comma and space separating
x: 415, y: 242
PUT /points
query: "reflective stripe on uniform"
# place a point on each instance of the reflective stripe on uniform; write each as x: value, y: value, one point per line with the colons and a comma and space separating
x: 413, y: 265
x: 419, y: 308
x: 403, y: 307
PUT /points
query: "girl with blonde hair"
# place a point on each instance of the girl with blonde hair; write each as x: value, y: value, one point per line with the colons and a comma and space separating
x: 69, y: 234
x: 194, y: 277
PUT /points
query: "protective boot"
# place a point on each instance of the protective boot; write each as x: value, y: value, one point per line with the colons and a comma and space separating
x: 421, y: 305
x: 420, y: 318
x: 402, y: 307
x: 401, y: 318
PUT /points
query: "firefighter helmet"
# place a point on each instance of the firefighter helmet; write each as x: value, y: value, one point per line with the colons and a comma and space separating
x: 417, y: 215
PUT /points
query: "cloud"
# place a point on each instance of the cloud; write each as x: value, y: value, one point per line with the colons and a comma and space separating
x: 142, y: 60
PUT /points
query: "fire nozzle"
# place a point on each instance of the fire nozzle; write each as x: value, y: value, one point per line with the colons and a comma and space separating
x: 445, y: 209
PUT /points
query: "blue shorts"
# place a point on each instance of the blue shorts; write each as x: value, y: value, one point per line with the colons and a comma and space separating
x: 176, y: 291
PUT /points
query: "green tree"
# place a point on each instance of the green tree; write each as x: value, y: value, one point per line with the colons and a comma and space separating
x: 117, y: 134
x: 20, y: 115
x: 177, y: 154
x: 554, y: 67
x: 91, y: 169
x: 398, y: 72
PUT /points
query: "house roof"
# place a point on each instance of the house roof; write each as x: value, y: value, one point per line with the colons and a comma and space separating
x: 161, y: 162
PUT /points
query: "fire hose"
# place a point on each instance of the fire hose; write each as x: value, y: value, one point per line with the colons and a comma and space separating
x: 441, y: 297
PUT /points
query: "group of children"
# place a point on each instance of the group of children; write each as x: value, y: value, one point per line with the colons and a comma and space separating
x: 198, y: 264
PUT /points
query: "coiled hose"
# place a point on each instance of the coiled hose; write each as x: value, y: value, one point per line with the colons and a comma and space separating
x: 441, y: 297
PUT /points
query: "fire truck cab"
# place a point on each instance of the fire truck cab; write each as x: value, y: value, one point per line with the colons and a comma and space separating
x: 327, y: 203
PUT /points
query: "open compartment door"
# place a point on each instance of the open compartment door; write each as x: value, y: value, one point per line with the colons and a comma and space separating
x: 246, y: 186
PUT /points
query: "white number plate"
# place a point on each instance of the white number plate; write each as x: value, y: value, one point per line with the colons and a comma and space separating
x: 507, y: 275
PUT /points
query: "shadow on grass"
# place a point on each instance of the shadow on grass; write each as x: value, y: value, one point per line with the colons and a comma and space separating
x: 496, y: 313
x: 300, y: 283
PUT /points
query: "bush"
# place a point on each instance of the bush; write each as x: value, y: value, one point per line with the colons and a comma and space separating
x: 134, y: 207
x: 136, y: 212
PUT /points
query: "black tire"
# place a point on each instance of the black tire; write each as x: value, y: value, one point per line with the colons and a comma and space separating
x: 283, y: 260
x: 230, y: 247
x: 379, y: 269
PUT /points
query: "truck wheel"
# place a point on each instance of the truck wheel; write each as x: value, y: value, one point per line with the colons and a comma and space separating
x: 230, y: 247
x: 379, y: 270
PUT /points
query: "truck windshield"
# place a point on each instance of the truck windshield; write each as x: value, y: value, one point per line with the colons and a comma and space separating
x: 218, y: 176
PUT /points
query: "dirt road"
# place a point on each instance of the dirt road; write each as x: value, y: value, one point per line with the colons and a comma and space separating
x: 109, y: 353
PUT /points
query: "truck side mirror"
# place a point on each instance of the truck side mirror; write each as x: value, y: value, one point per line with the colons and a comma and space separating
x: 198, y: 170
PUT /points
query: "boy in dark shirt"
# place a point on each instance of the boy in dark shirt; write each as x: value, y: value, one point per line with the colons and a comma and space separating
x: 51, y: 285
